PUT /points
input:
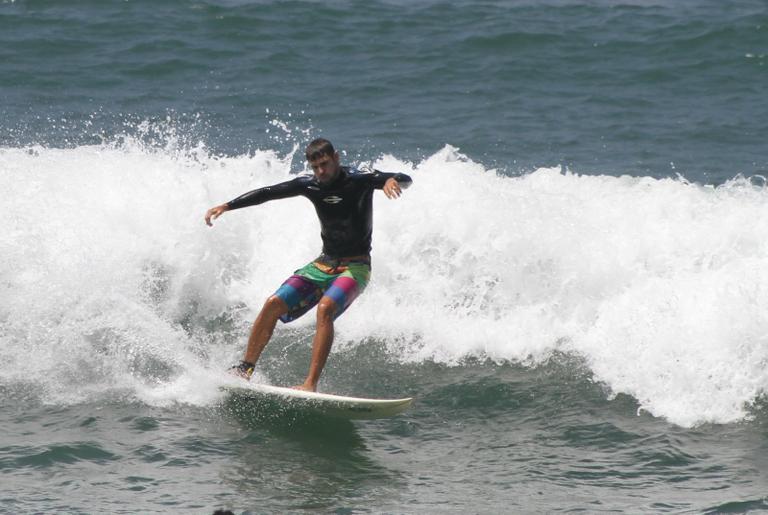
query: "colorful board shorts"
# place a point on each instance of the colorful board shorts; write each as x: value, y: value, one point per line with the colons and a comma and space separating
x: 342, y: 283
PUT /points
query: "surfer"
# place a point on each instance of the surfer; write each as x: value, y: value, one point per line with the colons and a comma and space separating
x: 343, y: 200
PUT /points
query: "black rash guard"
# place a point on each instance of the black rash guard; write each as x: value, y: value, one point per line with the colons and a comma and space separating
x: 344, y: 207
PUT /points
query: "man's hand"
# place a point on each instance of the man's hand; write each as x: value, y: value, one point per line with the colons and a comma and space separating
x: 392, y: 188
x: 214, y: 213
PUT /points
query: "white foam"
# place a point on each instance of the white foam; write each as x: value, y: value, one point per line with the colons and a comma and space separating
x: 107, y: 273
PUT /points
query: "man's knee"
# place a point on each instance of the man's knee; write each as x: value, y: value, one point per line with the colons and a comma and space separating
x: 275, y: 306
x: 326, y: 309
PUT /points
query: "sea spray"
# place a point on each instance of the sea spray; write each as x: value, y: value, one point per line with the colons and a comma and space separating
x: 112, y: 282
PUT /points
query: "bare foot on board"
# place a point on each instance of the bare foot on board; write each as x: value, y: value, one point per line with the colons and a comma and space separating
x: 305, y: 387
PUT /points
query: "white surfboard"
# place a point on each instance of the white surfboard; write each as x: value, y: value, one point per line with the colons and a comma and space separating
x: 327, y: 404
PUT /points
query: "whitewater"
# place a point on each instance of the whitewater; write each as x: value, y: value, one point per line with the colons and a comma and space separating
x: 112, y: 286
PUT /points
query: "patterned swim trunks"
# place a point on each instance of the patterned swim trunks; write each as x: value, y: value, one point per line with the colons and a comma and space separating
x: 341, y: 280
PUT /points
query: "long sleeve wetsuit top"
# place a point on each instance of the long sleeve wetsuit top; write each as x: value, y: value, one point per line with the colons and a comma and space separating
x: 344, y: 207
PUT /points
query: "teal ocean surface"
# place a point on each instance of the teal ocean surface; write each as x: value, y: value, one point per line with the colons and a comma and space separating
x: 574, y: 289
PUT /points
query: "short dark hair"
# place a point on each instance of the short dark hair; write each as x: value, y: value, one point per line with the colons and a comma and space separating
x: 318, y: 148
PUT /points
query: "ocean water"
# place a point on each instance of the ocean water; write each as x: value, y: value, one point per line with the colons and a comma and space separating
x: 574, y: 289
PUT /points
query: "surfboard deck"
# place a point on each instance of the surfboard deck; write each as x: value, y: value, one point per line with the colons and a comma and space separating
x: 323, y: 403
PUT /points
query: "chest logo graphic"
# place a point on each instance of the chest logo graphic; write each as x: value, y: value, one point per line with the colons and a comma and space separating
x: 333, y: 199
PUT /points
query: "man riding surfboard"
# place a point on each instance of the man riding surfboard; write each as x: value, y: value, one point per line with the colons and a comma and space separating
x: 343, y: 200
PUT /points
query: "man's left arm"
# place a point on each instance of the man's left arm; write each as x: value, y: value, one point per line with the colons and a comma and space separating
x: 392, y: 184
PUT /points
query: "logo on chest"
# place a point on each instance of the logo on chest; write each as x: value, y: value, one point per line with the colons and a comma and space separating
x: 333, y: 199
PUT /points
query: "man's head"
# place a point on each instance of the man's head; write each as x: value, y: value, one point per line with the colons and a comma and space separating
x: 323, y: 159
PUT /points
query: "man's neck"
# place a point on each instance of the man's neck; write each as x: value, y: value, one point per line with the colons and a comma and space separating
x: 340, y: 174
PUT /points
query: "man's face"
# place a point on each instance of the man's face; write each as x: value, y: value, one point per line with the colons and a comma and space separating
x: 325, y: 167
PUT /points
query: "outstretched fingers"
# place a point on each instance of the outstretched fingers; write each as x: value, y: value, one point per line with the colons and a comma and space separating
x: 208, y: 215
x: 213, y: 214
x: 392, y: 189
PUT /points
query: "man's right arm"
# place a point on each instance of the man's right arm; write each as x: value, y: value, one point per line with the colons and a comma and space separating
x: 286, y: 189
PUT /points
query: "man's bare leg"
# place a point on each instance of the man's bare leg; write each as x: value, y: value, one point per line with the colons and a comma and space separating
x: 262, y: 330
x: 321, y: 345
